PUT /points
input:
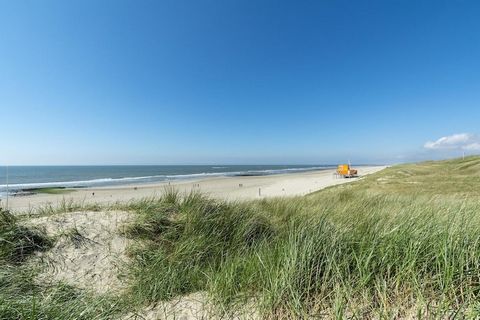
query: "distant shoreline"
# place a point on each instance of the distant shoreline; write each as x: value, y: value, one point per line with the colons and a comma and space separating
x: 26, y: 188
x: 62, y: 177
x: 232, y: 188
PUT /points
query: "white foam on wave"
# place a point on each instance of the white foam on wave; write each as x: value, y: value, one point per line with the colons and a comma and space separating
x: 79, y: 183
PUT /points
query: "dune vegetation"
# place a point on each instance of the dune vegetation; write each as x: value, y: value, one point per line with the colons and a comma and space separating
x: 401, y: 243
x: 23, y: 297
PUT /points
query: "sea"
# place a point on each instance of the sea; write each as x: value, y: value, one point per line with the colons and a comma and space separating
x: 21, y: 178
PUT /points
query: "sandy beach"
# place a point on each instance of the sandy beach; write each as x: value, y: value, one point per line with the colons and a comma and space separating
x: 229, y: 188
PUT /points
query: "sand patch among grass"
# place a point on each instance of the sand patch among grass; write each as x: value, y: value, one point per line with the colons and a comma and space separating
x: 191, y: 307
x: 89, y: 252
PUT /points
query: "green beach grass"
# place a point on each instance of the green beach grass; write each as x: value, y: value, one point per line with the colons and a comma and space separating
x: 377, y: 248
x: 401, y: 243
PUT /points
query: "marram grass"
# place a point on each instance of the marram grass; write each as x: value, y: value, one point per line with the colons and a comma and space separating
x: 350, y: 251
x: 402, y: 243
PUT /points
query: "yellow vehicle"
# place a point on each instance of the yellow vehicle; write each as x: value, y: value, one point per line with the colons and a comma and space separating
x: 345, y: 171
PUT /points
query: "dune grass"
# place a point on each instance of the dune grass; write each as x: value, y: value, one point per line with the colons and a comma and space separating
x: 65, y: 205
x: 370, y: 249
x: 402, y: 243
x: 22, y: 297
x: 457, y: 177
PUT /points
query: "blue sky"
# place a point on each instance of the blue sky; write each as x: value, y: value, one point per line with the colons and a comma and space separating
x: 166, y: 82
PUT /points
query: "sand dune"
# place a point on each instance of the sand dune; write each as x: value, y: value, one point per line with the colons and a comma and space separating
x: 88, y: 252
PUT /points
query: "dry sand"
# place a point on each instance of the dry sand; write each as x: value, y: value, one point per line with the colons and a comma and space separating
x: 89, y: 252
x: 229, y: 188
x: 191, y: 307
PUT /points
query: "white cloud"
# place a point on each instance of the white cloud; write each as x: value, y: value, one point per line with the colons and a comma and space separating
x: 473, y: 146
x: 462, y: 141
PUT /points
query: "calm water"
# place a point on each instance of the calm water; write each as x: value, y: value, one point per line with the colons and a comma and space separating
x: 24, y: 177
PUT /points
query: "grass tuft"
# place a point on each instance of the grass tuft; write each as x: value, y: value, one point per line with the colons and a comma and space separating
x: 364, y: 250
x: 18, y: 242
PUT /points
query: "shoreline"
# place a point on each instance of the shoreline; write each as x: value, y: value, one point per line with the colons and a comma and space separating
x: 153, y: 177
x: 231, y: 188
